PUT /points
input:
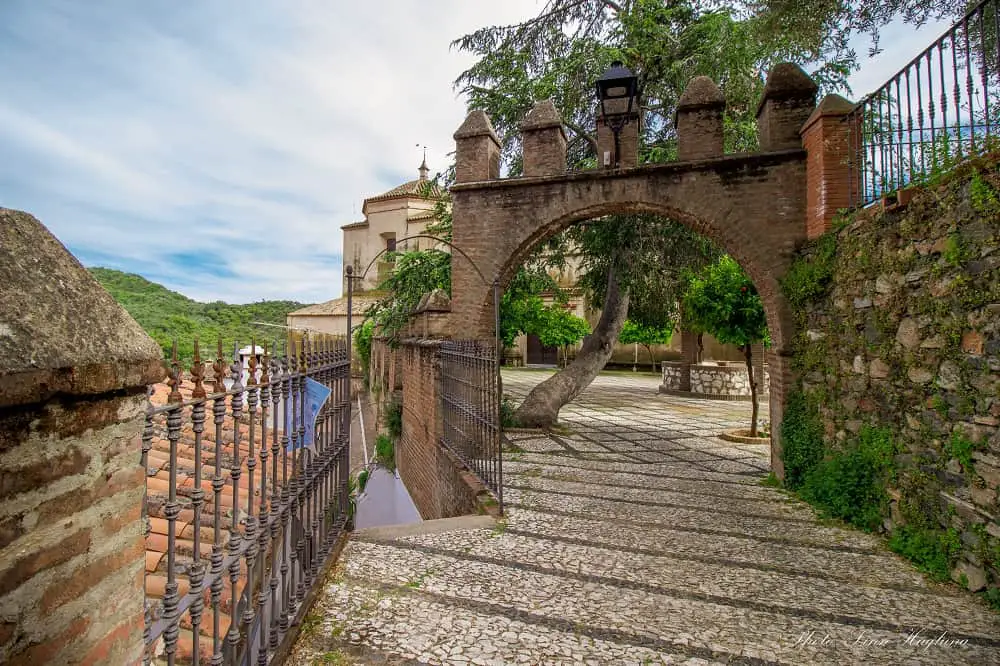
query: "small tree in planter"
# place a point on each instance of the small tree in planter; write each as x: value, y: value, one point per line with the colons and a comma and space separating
x: 722, y: 300
x: 634, y: 332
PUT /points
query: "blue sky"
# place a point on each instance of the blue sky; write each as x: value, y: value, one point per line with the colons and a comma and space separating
x: 218, y: 146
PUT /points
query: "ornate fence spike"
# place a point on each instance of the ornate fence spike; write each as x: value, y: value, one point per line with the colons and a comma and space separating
x: 174, y: 380
x: 219, y: 370
x: 197, y: 373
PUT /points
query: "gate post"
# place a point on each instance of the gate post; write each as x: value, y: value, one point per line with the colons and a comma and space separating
x: 74, y: 367
x: 830, y: 181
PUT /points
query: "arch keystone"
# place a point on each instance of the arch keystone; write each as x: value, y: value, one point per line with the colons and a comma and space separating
x: 543, y: 140
x: 788, y: 101
x: 698, y: 120
x: 477, y: 149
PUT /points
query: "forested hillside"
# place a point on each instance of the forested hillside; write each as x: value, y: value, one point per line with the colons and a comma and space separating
x: 167, y: 315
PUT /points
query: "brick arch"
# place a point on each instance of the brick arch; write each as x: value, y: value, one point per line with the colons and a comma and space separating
x: 754, y: 206
x: 763, y: 277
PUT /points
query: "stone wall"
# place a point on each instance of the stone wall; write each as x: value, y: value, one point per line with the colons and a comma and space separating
x: 900, y: 328
x: 728, y: 381
x: 73, y: 374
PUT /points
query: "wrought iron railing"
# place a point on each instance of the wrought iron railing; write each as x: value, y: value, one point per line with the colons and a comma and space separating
x: 939, y: 109
x: 471, y: 414
x: 246, y: 498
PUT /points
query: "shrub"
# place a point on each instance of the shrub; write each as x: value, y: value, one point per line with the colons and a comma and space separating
x: 850, y: 485
x: 394, y: 419
x: 801, y: 439
x: 363, y: 344
x: 809, y: 276
x: 932, y: 551
x: 385, y: 452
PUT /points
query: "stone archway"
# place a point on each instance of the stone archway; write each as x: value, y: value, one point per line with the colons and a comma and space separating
x: 754, y: 206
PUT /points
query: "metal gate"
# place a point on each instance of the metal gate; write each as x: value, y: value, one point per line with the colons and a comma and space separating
x: 246, y: 497
x: 470, y: 390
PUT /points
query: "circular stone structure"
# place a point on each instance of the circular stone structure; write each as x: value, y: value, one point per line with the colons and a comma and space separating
x: 720, y: 380
x: 742, y: 436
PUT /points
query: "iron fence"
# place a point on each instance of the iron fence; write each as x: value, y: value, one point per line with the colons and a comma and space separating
x: 471, y: 414
x: 247, y: 494
x: 939, y: 109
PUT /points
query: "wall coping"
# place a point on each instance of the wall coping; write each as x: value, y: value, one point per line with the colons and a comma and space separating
x: 725, y: 162
x: 61, y: 331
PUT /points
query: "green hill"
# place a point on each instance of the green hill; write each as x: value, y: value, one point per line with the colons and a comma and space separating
x: 168, y: 316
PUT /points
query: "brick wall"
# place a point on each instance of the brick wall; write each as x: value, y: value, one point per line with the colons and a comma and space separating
x: 829, y: 180
x: 73, y: 374
x: 71, y: 491
x: 436, y: 481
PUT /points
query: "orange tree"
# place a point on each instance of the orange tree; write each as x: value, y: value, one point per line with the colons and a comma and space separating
x: 722, y: 301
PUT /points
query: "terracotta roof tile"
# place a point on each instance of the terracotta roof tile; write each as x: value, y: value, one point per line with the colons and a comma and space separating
x: 338, y: 306
x: 423, y: 189
x: 158, y: 488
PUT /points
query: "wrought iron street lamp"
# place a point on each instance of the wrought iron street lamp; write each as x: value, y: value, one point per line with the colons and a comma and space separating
x: 616, y: 90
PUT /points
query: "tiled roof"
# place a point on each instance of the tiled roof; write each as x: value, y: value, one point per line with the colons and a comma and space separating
x: 424, y: 189
x: 338, y: 306
x: 421, y: 216
x: 356, y: 225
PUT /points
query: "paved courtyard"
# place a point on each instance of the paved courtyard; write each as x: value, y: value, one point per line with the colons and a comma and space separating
x: 638, y: 537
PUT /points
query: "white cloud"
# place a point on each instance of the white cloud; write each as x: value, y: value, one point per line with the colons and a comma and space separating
x: 248, y: 132
x: 239, y: 136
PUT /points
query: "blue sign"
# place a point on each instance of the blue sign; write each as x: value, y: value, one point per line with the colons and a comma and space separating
x: 310, y: 402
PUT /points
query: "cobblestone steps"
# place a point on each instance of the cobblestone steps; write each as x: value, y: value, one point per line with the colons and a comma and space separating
x: 638, y: 537
x: 589, y: 603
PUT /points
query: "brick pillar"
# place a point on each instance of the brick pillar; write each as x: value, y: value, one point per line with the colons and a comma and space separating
x: 543, y: 141
x: 789, y: 98
x: 74, y: 368
x: 826, y: 136
x: 477, y: 149
x: 699, y: 120
x: 628, y: 137
x: 689, y: 355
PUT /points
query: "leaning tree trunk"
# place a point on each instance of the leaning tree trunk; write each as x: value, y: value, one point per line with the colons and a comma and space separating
x: 541, y: 408
x: 748, y: 354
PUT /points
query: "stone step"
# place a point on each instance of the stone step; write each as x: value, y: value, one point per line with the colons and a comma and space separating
x: 881, y: 568
x: 414, y: 624
x: 705, y: 521
x: 851, y: 602
x: 678, y: 469
x: 775, y: 506
x: 704, y: 625
x: 678, y: 483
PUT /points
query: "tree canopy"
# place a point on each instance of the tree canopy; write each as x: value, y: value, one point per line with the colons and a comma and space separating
x: 559, y: 53
x: 723, y: 302
x: 835, y: 21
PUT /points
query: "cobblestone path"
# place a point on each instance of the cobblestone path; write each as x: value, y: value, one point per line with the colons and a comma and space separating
x: 638, y: 537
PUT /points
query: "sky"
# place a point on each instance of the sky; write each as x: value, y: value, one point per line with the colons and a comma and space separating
x: 217, y: 147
